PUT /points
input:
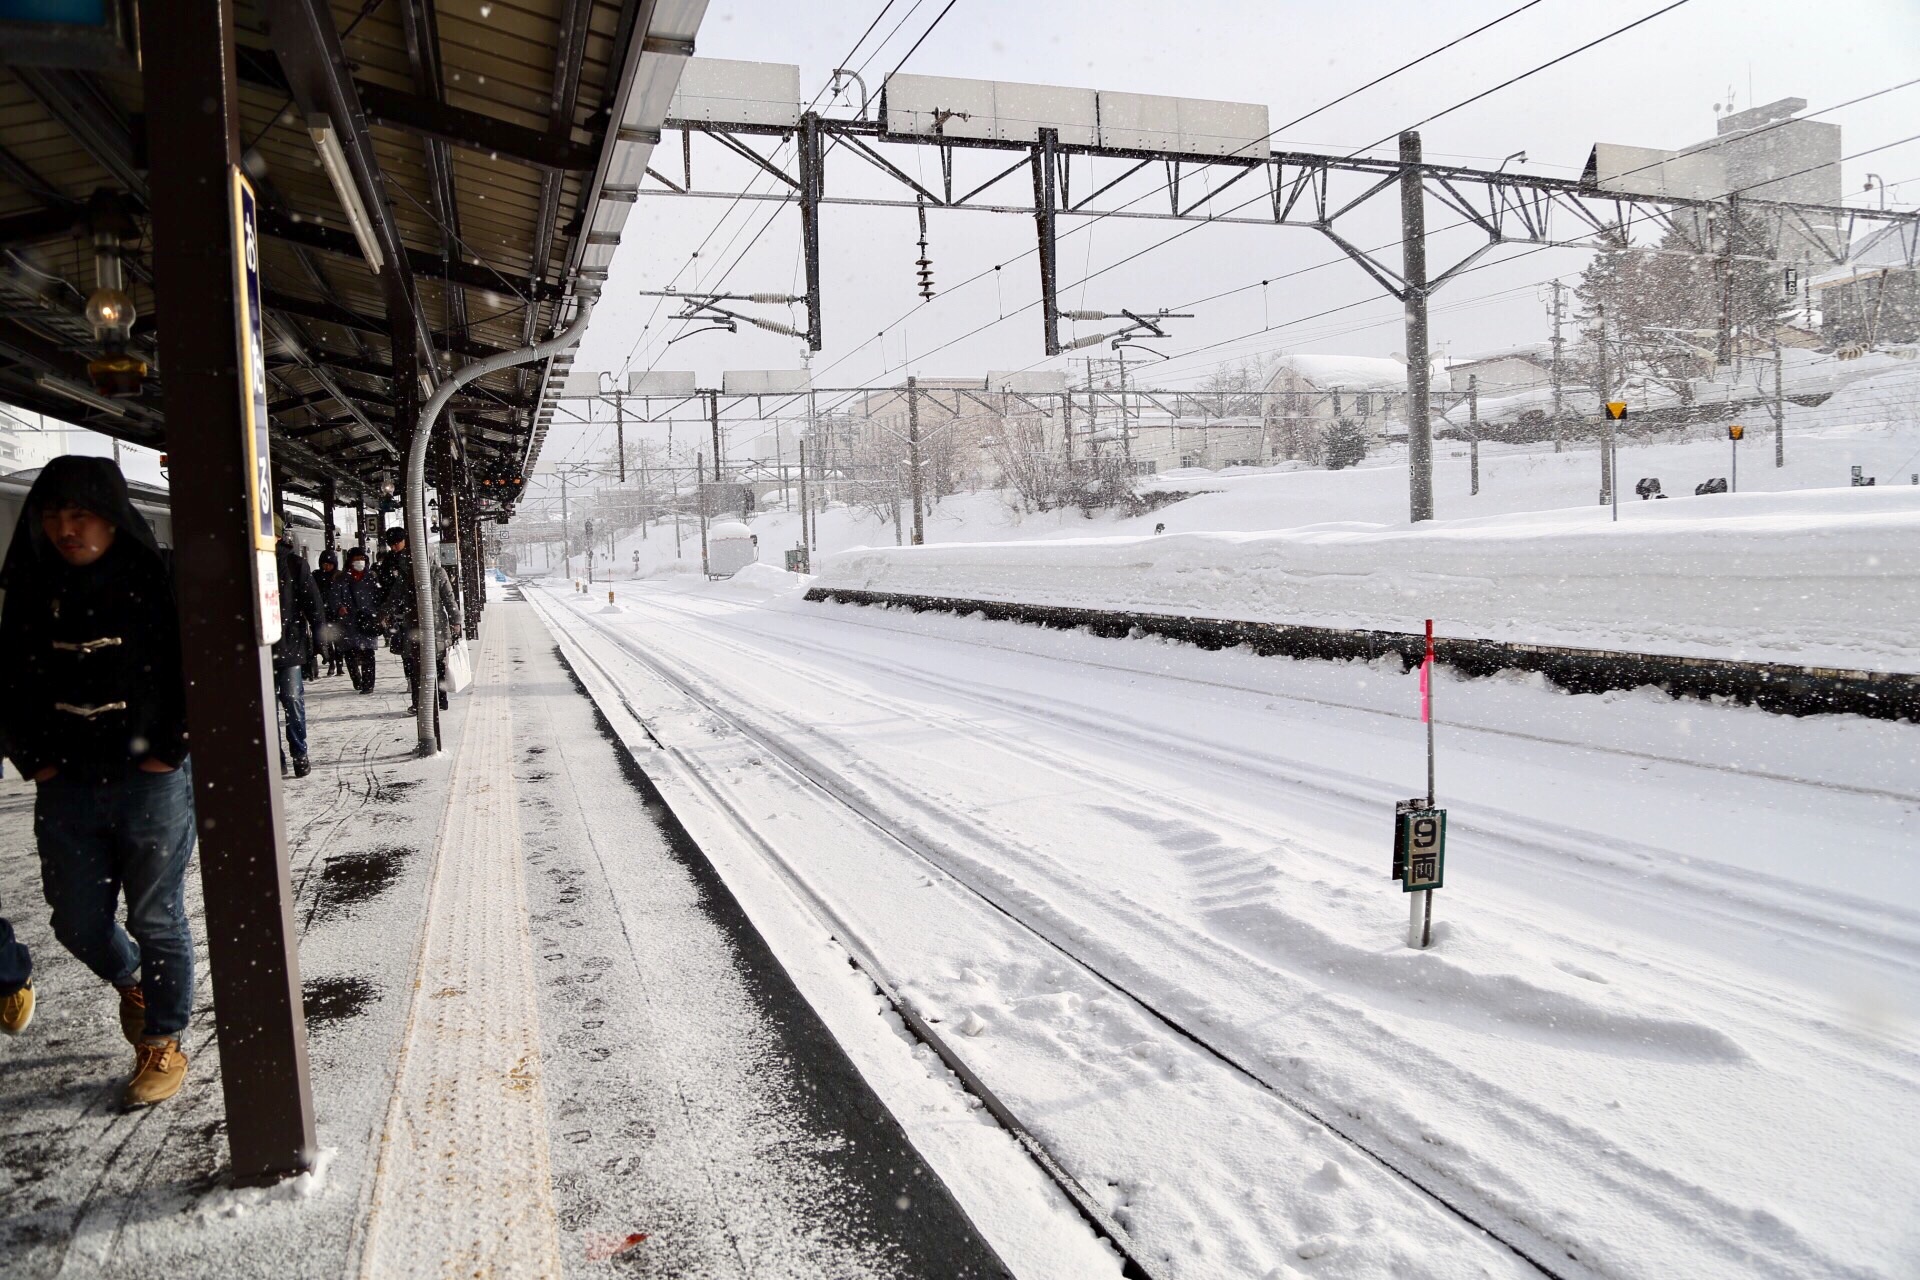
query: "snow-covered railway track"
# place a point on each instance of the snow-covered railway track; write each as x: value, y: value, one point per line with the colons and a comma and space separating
x: 823, y: 780
x: 973, y: 757
x: 1627, y: 866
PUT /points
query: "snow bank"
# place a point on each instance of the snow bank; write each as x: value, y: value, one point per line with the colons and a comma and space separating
x: 1816, y: 577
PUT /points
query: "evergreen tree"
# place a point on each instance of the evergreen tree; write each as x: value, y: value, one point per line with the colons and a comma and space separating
x: 1644, y: 295
x: 1346, y: 444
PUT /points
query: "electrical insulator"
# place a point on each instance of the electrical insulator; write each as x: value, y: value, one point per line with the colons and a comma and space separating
x: 924, y: 264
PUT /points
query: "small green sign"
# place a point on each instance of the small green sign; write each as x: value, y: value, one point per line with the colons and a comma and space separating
x: 1423, y: 835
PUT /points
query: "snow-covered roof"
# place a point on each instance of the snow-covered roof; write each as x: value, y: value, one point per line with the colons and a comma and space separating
x: 1890, y: 247
x: 1540, y: 353
x: 1351, y: 373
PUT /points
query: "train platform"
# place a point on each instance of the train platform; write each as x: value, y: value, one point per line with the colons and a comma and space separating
x: 546, y: 1040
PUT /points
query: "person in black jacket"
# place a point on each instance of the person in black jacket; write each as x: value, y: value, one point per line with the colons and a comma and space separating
x: 353, y: 606
x: 300, y: 618
x: 402, y: 611
x: 90, y: 677
x: 328, y: 637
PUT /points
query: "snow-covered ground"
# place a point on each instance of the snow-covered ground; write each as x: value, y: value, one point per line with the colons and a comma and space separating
x: 1669, y: 1026
x: 1873, y: 424
x: 1823, y: 577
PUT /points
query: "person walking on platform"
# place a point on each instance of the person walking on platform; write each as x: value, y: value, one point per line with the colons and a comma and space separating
x: 90, y: 677
x: 353, y: 606
x: 403, y: 615
x: 300, y: 618
x: 328, y: 638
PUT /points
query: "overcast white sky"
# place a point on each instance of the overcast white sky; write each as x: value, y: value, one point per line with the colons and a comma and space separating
x: 1654, y: 86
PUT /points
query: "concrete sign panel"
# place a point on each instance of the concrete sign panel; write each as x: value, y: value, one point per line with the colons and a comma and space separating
x: 721, y: 90
x: 765, y: 382
x: 661, y: 382
x: 1029, y: 382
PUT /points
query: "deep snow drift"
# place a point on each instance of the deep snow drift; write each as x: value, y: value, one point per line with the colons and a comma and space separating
x: 1820, y: 577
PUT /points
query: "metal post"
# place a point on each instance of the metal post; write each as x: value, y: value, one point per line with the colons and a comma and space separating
x: 1779, y: 410
x: 1724, y: 353
x: 252, y: 940
x: 1413, y: 231
x: 566, y: 529
x: 1473, y: 428
x: 713, y: 411
x: 913, y: 458
x: 812, y: 187
x: 812, y: 526
x: 806, y: 541
x: 1044, y: 203
x: 1733, y: 484
x: 1605, y: 378
x: 1559, y: 406
x: 1126, y: 416
x: 329, y: 499
x: 620, y: 433
x: 699, y: 493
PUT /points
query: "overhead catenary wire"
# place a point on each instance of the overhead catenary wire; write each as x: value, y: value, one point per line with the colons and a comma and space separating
x: 1183, y: 232
x: 1089, y: 225
x: 1532, y: 71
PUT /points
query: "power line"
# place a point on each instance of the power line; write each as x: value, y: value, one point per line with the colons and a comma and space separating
x: 1089, y: 225
x: 922, y: 40
x: 1618, y: 31
x: 1255, y: 199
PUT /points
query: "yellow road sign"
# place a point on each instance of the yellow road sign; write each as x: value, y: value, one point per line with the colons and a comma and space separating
x: 1617, y: 409
x: 1736, y: 432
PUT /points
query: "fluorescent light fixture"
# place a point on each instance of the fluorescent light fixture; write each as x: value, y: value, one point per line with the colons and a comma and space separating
x: 334, y: 161
x: 59, y: 386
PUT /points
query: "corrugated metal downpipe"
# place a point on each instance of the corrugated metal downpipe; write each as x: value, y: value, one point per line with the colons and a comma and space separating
x: 416, y: 491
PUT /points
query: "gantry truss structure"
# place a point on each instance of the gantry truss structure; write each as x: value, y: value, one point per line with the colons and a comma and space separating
x: 1050, y: 179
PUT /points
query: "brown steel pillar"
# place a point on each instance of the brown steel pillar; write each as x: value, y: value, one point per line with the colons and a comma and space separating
x: 252, y: 942
x: 473, y: 590
x: 329, y: 499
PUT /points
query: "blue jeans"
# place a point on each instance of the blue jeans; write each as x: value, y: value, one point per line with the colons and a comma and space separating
x: 16, y: 966
x: 134, y: 834
x: 291, y: 689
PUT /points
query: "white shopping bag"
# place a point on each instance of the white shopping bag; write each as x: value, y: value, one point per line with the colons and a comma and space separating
x: 459, y: 667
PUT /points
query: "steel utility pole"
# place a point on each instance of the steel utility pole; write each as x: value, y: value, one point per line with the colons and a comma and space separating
x: 913, y: 457
x: 620, y: 433
x: 1473, y: 428
x: 1606, y: 394
x: 566, y: 528
x: 806, y: 538
x: 1413, y: 231
x: 1126, y: 418
x: 1779, y: 410
x: 1559, y: 404
x: 713, y: 412
x: 699, y: 492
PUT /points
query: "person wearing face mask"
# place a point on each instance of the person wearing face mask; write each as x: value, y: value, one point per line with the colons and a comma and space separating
x: 353, y: 606
x: 90, y: 676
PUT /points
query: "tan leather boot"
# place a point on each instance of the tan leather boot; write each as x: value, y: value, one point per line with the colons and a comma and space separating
x: 159, y: 1068
x: 16, y: 1010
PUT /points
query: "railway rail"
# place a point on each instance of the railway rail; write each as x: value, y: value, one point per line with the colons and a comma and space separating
x: 821, y: 781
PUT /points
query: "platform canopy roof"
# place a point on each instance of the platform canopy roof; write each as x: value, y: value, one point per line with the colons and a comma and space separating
x: 494, y: 146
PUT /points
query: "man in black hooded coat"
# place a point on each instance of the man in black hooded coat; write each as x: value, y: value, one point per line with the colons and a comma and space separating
x: 90, y: 676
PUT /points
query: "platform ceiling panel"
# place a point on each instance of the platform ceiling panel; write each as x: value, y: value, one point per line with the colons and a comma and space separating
x: 486, y: 127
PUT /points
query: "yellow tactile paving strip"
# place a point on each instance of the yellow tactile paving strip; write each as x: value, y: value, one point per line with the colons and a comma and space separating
x: 464, y: 1186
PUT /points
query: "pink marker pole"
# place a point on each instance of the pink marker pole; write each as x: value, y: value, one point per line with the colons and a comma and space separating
x: 1426, y: 707
x: 1420, y: 901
